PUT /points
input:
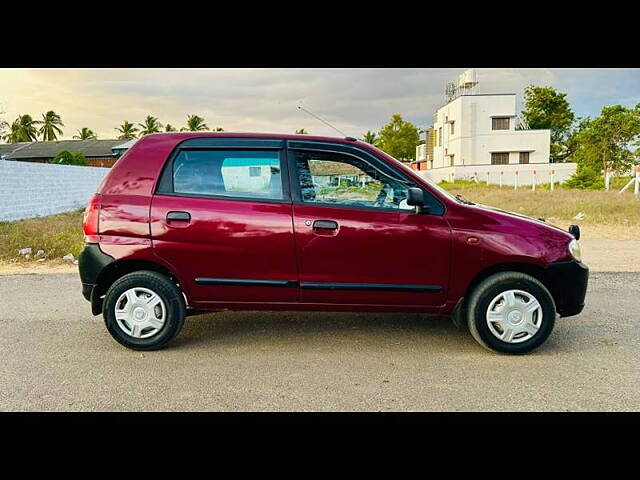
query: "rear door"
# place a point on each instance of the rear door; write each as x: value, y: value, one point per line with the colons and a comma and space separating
x: 357, y: 240
x: 221, y: 216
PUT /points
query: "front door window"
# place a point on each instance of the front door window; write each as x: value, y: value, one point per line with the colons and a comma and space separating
x: 329, y: 178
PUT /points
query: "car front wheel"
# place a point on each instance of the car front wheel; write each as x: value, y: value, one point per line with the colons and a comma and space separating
x: 144, y: 310
x: 511, y: 312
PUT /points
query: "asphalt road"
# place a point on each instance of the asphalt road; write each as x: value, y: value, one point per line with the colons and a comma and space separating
x: 56, y: 356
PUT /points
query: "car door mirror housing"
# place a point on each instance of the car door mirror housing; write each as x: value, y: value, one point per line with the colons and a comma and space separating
x: 415, y: 197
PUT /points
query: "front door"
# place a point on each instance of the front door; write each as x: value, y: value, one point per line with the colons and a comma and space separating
x: 221, y: 217
x: 357, y: 240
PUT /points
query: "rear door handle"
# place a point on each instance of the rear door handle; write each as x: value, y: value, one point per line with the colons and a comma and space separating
x: 325, y: 224
x: 178, y: 217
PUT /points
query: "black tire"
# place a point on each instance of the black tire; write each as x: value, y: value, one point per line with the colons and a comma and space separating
x: 480, y: 300
x: 169, y: 293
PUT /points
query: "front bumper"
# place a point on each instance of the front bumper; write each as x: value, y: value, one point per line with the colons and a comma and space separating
x: 568, y: 286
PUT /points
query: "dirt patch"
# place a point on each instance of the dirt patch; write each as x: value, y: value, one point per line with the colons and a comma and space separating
x: 602, y: 232
x: 611, y: 255
x: 27, y: 268
x: 611, y: 248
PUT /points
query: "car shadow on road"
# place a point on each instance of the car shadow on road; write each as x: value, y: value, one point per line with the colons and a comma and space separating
x: 233, y: 329
x: 253, y: 327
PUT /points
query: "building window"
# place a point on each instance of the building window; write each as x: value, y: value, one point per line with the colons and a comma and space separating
x: 453, y: 129
x: 500, y: 123
x: 499, y: 158
x: 524, y: 157
x: 451, y: 160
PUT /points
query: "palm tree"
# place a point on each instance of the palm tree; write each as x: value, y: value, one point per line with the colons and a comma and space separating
x: 370, y: 137
x: 302, y: 131
x: 170, y: 128
x: 86, y: 134
x: 23, y: 129
x: 195, y: 124
x: 3, y: 127
x: 50, y: 128
x: 127, y: 131
x: 150, y: 125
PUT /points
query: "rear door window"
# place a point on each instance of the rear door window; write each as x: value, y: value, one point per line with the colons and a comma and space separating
x: 228, y: 173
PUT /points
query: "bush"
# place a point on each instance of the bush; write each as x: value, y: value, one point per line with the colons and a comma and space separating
x: 67, y: 158
x: 585, y: 178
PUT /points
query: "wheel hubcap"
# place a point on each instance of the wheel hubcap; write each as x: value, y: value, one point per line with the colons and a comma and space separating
x: 140, y: 312
x: 514, y: 316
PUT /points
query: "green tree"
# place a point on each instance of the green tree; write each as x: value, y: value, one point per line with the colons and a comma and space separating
x: 150, y: 125
x: 371, y: 138
x: 85, y: 134
x: 50, y: 126
x: 4, y: 127
x: 67, y: 158
x: 605, y: 141
x: 585, y: 178
x: 302, y: 131
x: 170, y: 128
x: 127, y: 131
x: 23, y: 129
x: 195, y: 124
x: 399, y: 138
x: 547, y: 109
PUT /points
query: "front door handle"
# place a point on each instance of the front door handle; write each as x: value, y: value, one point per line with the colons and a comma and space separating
x: 325, y: 224
x: 178, y: 217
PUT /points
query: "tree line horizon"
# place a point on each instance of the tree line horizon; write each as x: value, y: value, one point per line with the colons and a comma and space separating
x: 608, y: 141
x: 25, y: 129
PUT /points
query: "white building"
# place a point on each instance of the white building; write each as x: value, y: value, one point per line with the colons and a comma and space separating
x: 476, y: 136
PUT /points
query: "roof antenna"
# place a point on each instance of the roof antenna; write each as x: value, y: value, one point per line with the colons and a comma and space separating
x: 300, y: 107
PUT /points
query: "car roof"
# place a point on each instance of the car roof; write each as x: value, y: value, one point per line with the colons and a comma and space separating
x: 283, y: 136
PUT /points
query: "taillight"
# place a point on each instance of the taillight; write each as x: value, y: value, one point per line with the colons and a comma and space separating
x: 91, y: 218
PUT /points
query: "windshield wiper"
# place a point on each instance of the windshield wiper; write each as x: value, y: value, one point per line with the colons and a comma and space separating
x: 461, y: 199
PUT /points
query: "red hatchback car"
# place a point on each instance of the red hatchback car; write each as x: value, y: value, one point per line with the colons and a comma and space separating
x: 191, y: 222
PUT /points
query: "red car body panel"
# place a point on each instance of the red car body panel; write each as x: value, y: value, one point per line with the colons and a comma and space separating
x: 374, y: 248
x: 227, y: 239
x: 273, y: 240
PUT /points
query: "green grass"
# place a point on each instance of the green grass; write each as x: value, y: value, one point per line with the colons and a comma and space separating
x: 57, y: 235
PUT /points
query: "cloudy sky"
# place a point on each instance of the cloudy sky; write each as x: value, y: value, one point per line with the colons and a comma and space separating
x: 266, y: 100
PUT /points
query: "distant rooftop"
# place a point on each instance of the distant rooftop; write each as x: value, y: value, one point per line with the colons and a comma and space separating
x: 7, y: 148
x: 126, y: 145
x: 90, y: 148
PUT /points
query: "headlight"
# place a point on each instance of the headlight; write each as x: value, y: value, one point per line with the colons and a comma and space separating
x: 574, y: 250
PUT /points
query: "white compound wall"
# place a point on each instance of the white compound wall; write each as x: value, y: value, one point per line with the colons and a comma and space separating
x: 39, y: 189
x: 505, y: 174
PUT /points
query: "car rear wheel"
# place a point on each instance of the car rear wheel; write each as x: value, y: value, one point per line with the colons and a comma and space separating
x: 144, y: 310
x: 511, y: 312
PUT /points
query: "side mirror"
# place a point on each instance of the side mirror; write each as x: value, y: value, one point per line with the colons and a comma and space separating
x: 415, y: 198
